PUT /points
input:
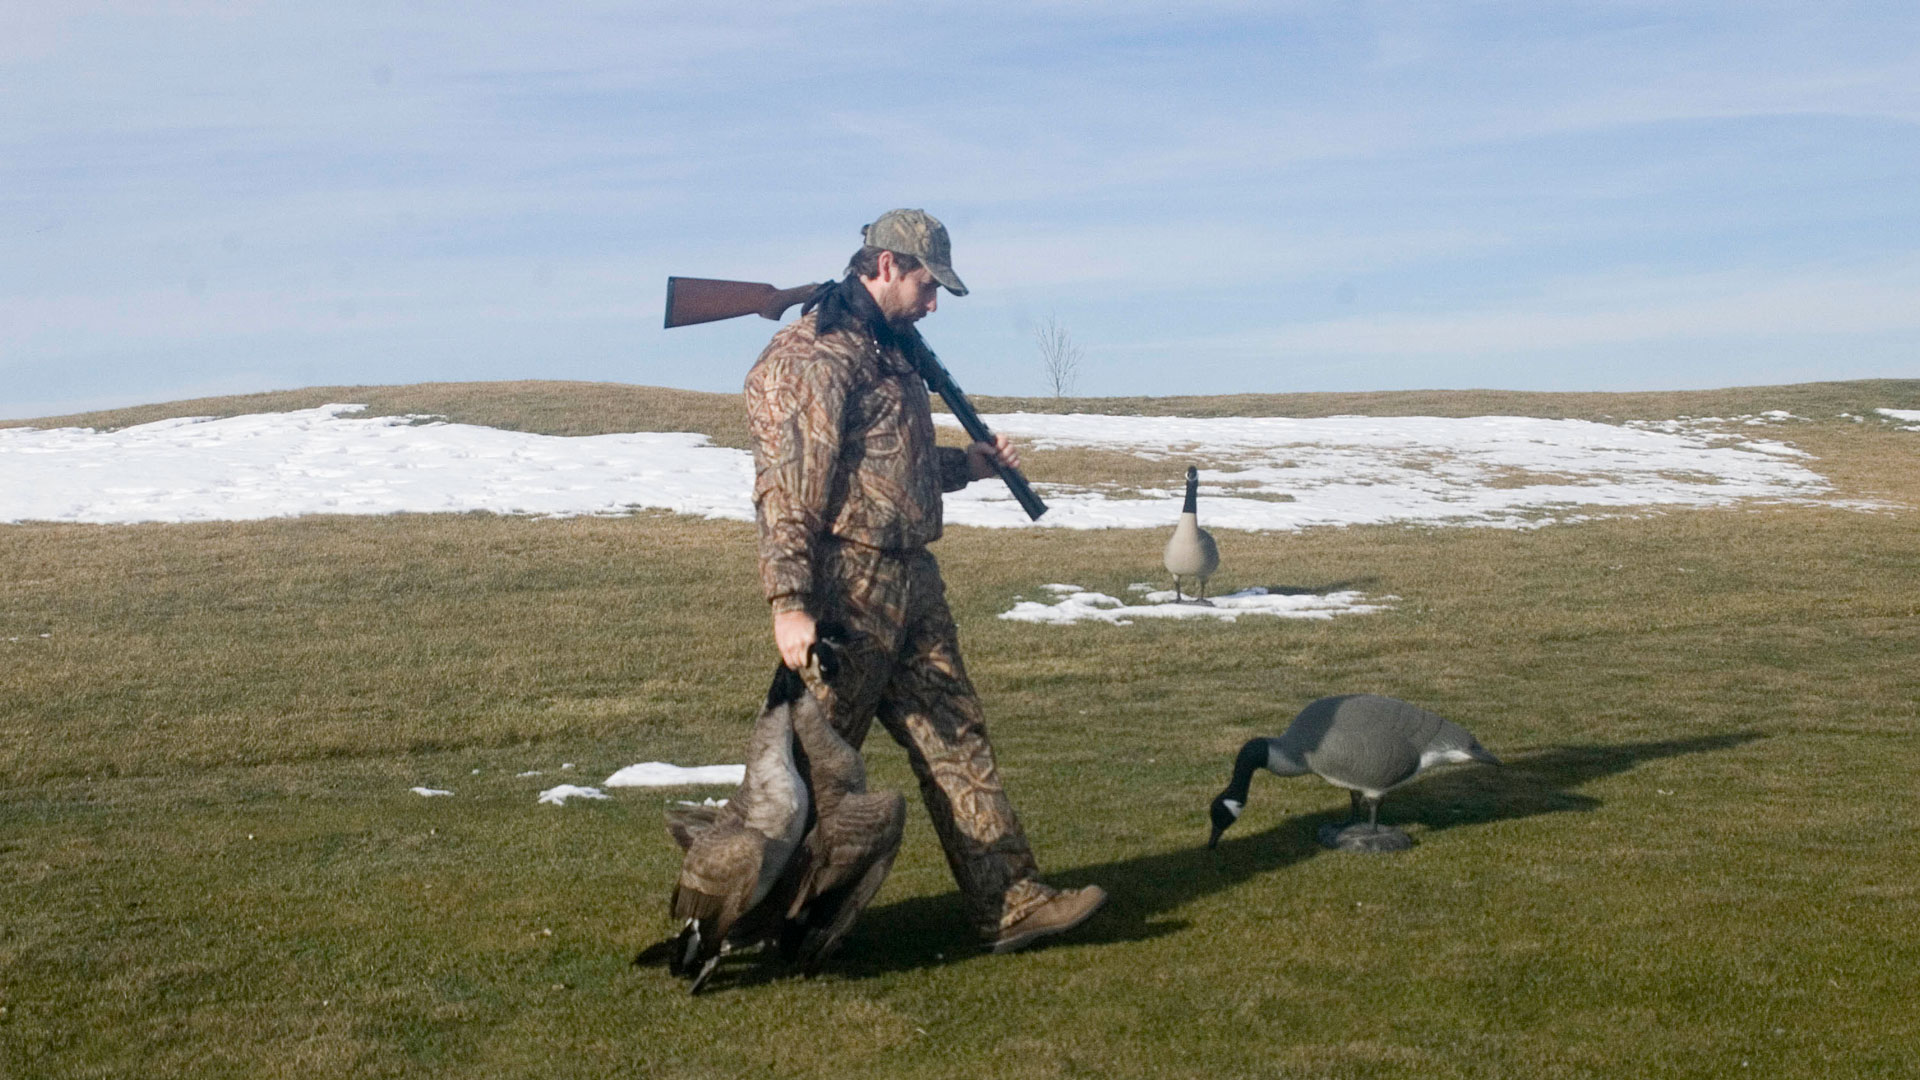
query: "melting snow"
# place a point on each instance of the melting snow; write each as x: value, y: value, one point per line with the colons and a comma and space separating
x: 326, y: 461
x: 1910, y: 416
x: 1286, y: 473
x: 1077, y: 605
x: 661, y: 774
x: 1258, y: 472
x: 429, y: 791
x: 650, y: 774
x: 558, y: 796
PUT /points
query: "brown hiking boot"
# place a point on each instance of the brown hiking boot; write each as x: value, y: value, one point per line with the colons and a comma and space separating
x: 1062, y: 913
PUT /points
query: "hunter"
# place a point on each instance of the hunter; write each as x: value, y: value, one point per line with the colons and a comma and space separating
x: 847, y: 492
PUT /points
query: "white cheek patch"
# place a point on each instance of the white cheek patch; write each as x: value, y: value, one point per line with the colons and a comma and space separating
x: 1233, y: 807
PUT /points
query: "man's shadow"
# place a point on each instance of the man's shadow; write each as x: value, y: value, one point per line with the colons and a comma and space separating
x: 927, y: 931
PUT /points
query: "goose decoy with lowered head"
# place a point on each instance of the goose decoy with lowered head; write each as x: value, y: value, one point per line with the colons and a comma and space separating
x: 1365, y: 743
x: 1191, y: 551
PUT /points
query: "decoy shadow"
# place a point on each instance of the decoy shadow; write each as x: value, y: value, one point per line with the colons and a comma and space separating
x: 1347, y: 585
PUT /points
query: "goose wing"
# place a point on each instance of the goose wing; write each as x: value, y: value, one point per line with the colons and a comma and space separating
x: 1361, y: 741
x: 867, y: 827
x: 1209, y: 555
x: 849, y: 857
x: 1350, y: 759
x: 686, y: 821
x: 721, y: 863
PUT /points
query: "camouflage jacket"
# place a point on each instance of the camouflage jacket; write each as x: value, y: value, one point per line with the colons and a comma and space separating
x: 842, y: 444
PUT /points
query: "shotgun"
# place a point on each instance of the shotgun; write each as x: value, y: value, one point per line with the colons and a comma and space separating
x: 698, y: 300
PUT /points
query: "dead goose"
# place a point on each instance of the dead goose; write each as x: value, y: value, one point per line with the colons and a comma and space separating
x: 736, y: 854
x: 1191, y: 551
x: 1365, y: 743
x: 851, y: 837
x: 851, y: 846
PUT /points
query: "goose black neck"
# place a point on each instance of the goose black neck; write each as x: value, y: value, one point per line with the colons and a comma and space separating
x: 1193, y: 493
x: 1252, y: 757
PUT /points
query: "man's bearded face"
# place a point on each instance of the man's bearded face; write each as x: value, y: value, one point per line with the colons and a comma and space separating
x: 905, y: 298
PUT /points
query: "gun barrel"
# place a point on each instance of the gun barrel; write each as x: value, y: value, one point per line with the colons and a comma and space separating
x: 976, y: 430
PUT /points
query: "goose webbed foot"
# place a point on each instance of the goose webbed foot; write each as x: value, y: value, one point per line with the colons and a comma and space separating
x: 685, y: 949
x: 706, y: 970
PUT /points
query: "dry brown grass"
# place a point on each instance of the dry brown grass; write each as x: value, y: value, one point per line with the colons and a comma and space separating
x: 579, y: 408
x: 1700, y: 859
x: 546, y: 407
x: 1805, y: 399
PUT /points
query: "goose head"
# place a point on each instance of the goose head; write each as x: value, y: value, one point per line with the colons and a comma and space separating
x: 1254, y: 755
x: 1224, y: 812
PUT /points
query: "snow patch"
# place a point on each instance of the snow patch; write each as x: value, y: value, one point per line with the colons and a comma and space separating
x: 1268, y: 473
x: 558, y: 796
x: 1085, y: 606
x: 661, y: 774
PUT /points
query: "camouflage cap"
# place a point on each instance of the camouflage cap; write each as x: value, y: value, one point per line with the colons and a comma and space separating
x: 919, y: 234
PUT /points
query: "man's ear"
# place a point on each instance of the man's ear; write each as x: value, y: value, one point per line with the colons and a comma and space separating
x: 884, y: 268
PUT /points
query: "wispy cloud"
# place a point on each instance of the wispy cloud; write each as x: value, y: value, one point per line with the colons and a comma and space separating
x: 228, y: 179
x: 1624, y: 310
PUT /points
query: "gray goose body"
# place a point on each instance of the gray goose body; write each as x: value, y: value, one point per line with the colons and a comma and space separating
x: 1191, y: 551
x: 1365, y: 743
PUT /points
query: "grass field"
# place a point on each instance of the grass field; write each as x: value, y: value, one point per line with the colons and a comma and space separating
x: 1702, y: 858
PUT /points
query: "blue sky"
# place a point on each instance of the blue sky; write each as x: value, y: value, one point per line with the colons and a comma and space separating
x: 201, y: 198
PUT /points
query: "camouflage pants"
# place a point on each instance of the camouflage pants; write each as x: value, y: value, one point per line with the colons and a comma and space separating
x: 903, y: 668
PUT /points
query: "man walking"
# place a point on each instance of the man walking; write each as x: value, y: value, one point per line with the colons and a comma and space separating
x: 847, y: 496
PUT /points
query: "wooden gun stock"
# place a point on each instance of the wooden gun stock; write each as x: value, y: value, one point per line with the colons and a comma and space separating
x: 698, y: 300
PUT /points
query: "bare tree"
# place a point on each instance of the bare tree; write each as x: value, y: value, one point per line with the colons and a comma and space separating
x: 1059, y: 356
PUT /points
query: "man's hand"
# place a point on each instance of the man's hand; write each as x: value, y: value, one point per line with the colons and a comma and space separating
x: 982, y: 455
x: 793, y: 634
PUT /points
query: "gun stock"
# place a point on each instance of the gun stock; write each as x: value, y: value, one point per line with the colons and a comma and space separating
x: 696, y: 300
x: 699, y: 300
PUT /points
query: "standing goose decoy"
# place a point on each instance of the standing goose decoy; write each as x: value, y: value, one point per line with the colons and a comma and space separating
x: 1191, y: 551
x: 1365, y: 743
x: 736, y: 854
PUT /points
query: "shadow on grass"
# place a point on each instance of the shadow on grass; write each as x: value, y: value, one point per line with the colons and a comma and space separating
x: 929, y: 931
x: 1349, y: 585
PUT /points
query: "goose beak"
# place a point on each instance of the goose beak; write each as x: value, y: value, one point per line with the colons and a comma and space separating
x: 1213, y: 840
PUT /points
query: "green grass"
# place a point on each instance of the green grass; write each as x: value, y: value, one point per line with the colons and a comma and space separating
x: 1703, y: 857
